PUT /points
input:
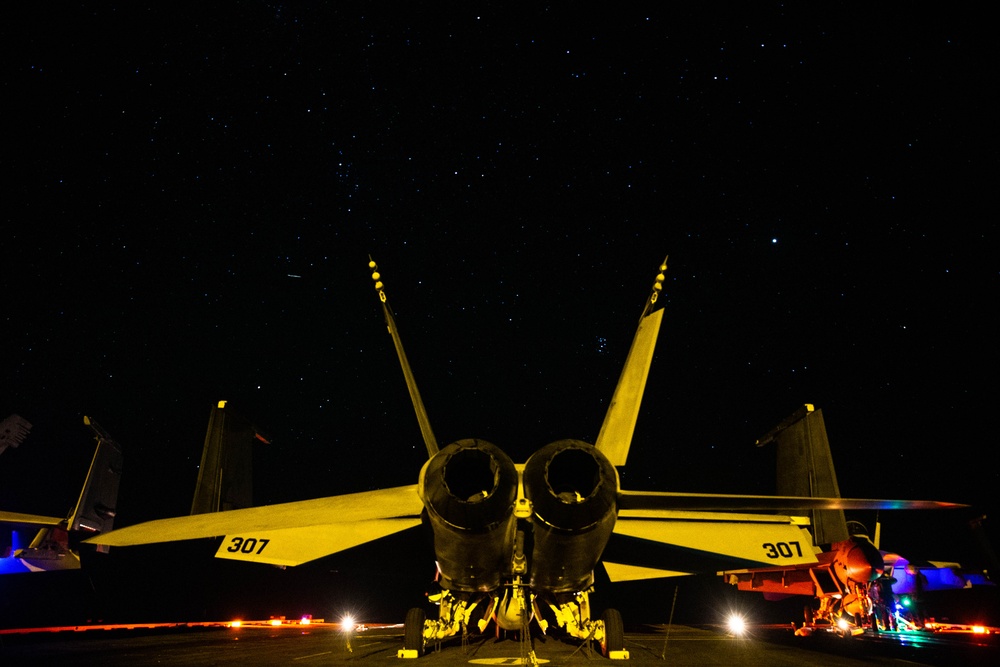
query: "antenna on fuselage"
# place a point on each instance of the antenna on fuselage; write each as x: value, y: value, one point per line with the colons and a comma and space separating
x: 411, y: 383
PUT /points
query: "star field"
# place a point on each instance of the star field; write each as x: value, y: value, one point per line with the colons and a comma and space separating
x: 194, y: 195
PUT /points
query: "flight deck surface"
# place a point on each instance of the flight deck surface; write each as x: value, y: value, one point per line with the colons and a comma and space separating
x: 324, y: 644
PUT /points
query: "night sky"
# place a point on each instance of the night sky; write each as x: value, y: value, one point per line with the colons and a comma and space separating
x: 192, y: 196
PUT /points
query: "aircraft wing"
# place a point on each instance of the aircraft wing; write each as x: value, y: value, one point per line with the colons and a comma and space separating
x: 288, y: 533
x: 18, y: 521
x: 666, y: 500
x: 702, y: 542
x: 708, y: 532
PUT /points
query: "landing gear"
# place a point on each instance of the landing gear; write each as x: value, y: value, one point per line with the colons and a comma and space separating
x: 453, y: 619
x: 573, y: 616
x: 614, y: 633
x: 808, y: 614
x: 413, y: 631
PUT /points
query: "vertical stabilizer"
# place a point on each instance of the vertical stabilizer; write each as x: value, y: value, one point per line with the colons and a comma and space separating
x: 52, y: 547
x: 805, y: 468
x: 95, y: 510
x: 615, y: 437
x: 225, y: 477
x: 411, y: 384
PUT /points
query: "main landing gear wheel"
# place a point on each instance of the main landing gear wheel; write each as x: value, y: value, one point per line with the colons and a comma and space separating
x: 413, y: 630
x: 614, y: 633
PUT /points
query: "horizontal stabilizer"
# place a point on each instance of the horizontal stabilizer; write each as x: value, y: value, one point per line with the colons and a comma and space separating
x: 721, y: 502
x: 294, y: 546
x: 346, y: 510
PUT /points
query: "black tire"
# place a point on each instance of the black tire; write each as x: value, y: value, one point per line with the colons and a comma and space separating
x: 413, y: 630
x: 614, y: 632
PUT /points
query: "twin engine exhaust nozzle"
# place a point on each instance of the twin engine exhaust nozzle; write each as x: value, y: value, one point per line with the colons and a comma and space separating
x: 470, y: 490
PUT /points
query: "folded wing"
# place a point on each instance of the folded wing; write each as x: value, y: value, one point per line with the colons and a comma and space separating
x: 288, y: 533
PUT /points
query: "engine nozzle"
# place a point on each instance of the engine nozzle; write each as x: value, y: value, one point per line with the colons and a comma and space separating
x: 573, y: 489
x: 469, y: 489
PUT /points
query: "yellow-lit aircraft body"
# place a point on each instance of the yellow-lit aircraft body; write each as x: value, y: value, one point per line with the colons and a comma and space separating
x: 519, y: 542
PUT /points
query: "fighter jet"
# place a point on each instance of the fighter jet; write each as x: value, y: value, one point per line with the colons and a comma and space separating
x: 517, y: 544
x: 916, y: 576
x: 848, y: 560
x: 55, y: 542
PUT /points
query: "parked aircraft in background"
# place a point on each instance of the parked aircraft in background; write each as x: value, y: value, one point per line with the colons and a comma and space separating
x: 911, y: 579
x: 516, y: 543
x: 33, y: 543
x: 914, y: 577
x: 848, y: 561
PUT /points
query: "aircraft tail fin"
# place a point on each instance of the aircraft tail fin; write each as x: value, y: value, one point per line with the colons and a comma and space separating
x: 805, y: 468
x: 616, y: 432
x: 225, y: 476
x: 95, y: 510
x: 411, y: 384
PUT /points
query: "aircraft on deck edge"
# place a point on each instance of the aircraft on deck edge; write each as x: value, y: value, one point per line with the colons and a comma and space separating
x: 848, y: 560
x: 518, y: 543
x: 55, y: 540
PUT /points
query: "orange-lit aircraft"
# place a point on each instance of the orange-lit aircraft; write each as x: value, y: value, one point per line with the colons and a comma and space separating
x: 848, y: 561
x: 519, y: 542
x: 55, y: 541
